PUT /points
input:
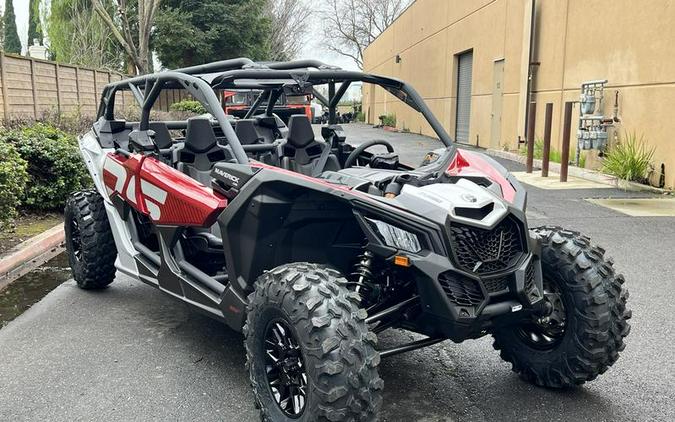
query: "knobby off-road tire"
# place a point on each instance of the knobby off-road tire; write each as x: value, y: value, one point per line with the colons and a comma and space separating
x: 596, y: 315
x: 89, y: 241
x: 337, y: 349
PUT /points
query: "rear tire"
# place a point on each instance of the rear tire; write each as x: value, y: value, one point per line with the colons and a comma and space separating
x: 89, y: 240
x: 330, y: 353
x: 591, y: 303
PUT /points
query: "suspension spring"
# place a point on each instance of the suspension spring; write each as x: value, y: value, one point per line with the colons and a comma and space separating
x: 362, y: 274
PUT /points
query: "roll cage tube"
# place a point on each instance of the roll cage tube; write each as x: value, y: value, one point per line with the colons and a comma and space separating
x: 200, y: 81
x: 256, y: 103
x: 400, y: 89
x: 197, y: 87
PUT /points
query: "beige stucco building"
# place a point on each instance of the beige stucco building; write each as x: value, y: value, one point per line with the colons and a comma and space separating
x: 486, y: 53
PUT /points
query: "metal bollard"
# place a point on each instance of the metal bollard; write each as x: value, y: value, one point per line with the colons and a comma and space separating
x: 565, y: 154
x: 547, y: 140
x: 531, y: 120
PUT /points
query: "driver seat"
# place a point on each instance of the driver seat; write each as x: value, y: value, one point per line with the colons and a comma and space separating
x: 304, y: 154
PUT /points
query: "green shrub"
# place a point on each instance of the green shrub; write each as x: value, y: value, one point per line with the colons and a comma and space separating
x: 554, y: 155
x: 13, y: 178
x: 629, y: 159
x: 188, y: 105
x: 360, y: 117
x: 55, y: 168
x: 389, y: 120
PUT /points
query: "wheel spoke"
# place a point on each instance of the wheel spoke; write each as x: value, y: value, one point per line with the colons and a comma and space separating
x: 547, y: 331
x: 274, y: 358
x: 285, y: 368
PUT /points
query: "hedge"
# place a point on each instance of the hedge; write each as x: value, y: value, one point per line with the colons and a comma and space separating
x: 191, y: 106
x: 55, y: 168
x: 13, y: 178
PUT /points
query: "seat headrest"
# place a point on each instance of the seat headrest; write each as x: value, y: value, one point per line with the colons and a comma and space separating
x: 162, y: 136
x: 246, y: 131
x: 112, y: 126
x: 199, y: 136
x: 300, y: 133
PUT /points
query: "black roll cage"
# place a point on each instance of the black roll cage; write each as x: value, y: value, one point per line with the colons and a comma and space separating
x: 272, y: 78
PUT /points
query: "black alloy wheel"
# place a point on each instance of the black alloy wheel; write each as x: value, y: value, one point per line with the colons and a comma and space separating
x: 75, y: 240
x: 546, y: 332
x: 285, y: 368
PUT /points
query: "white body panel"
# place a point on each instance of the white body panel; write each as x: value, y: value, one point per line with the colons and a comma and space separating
x: 94, y: 157
x: 443, y: 198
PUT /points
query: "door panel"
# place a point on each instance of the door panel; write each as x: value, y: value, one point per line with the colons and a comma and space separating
x: 463, y: 116
x: 164, y: 194
x: 497, y: 99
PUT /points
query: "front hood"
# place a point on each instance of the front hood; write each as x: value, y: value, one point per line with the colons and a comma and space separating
x: 463, y: 201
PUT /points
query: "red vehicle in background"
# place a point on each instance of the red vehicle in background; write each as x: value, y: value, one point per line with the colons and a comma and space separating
x: 238, y: 103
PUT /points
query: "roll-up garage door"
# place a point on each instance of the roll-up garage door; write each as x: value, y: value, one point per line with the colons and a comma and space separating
x: 465, y: 64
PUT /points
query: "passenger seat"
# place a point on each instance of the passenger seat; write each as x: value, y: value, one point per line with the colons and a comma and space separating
x: 200, y: 151
x: 196, y: 158
x: 302, y: 153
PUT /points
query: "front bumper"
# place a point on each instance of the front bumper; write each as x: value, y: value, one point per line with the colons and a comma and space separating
x: 460, y: 305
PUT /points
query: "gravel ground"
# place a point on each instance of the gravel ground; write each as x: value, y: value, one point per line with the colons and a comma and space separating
x: 132, y: 353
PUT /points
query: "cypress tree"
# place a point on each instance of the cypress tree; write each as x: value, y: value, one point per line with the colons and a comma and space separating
x: 34, y: 26
x: 12, y: 41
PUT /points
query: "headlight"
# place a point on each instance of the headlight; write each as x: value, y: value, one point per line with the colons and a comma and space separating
x: 395, y: 237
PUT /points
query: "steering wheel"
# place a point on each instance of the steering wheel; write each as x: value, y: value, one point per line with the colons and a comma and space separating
x: 364, y: 146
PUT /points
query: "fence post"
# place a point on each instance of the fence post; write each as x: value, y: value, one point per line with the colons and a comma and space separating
x: 531, y: 119
x: 32, y: 83
x: 58, y: 88
x: 5, y: 105
x: 565, y: 154
x: 77, y: 88
x: 547, y: 139
x: 95, y: 93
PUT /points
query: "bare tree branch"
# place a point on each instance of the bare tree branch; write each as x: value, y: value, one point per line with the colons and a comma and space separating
x: 289, y: 27
x: 351, y: 25
x: 137, y: 48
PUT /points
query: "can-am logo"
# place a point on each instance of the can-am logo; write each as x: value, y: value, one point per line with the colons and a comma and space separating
x: 468, y: 197
x: 228, y: 176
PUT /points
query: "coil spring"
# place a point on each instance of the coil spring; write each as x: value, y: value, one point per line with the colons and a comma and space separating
x: 362, y: 274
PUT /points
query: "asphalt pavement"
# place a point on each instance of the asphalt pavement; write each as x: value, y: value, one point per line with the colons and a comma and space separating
x: 131, y: 353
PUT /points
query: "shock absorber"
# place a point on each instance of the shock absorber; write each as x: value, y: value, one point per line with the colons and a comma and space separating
x: 362, y: 274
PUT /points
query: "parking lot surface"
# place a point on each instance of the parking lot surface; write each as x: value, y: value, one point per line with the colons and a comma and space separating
x: 131, y: 353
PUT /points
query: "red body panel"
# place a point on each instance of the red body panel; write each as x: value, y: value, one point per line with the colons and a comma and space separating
x: 161, y: 192
x: 467, y: 163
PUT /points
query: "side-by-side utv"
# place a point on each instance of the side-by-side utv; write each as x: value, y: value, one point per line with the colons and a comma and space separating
x: 311, y: 244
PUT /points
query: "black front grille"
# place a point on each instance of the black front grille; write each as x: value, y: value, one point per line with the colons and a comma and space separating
x: 487, y: 251
x: 531, y: 290
x: 495, y: 285
x: 460, y: 290
x: 529, y: 276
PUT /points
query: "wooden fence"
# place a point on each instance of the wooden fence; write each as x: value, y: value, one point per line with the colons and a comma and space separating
x: 32, y: 88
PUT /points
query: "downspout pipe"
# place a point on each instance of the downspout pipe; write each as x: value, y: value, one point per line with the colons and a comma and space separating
x: 530, y: 74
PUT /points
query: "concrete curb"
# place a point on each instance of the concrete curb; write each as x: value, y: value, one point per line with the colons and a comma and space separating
x: 30, y: 254
x: 586, y: 174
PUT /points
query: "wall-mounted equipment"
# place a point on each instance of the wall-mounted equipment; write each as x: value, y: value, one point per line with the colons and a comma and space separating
x: 592, y: 131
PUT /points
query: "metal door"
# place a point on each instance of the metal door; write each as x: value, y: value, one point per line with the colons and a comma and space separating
x: 463, y: 117
x: 497, y: 96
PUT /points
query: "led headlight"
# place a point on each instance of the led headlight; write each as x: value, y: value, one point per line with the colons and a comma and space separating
x: 395, y: 237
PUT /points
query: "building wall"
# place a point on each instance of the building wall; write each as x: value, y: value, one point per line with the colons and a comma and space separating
x: 623, y: 41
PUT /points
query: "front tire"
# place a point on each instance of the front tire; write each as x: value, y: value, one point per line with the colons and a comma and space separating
x: 309, y: 353
x: 584, y: 333
x: 89, y: 240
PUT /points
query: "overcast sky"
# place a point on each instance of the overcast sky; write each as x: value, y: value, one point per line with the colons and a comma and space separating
x: 312, y: 50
